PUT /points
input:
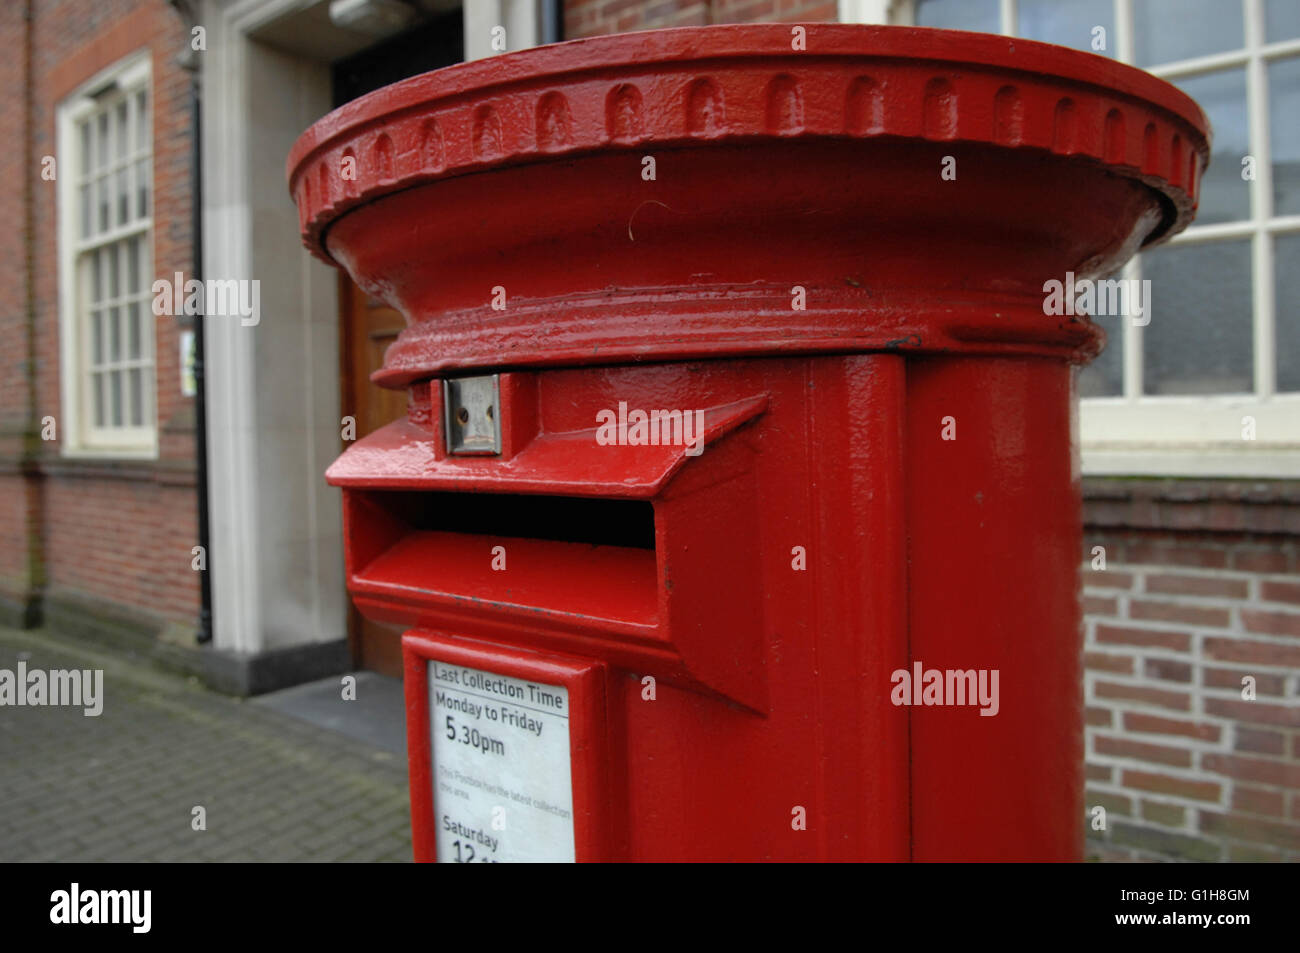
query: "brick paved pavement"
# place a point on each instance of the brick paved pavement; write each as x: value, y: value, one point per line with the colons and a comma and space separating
x: 122, y: 786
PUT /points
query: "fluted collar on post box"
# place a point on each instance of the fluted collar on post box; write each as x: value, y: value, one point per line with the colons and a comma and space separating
x: 718, y: 191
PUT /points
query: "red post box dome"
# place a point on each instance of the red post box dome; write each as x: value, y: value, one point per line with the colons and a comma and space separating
x: 774, y: 167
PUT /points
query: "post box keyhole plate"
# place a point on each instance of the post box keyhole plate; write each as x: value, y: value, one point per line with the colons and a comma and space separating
x: 472, y: 414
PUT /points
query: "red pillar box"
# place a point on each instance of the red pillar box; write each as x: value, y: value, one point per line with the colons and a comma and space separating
x: 736, y: 511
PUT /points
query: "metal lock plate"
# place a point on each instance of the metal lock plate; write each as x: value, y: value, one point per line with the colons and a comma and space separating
x: 472, y: 414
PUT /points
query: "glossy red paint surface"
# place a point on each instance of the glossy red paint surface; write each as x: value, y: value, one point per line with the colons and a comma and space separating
x: 828, y: 535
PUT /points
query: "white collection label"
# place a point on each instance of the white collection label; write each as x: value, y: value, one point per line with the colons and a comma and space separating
x: 502, y: 789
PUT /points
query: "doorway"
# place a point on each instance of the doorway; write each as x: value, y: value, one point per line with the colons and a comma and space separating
x: 367, y: 326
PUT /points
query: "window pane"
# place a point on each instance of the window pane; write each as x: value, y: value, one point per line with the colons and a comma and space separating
x: 85, y: 211
x: 124, y: 265
x: 1281, y: 20
x: 97, y: 338
x: 1104, y: 377
x: 981, y: 15
x: 123, y: 193
x: 137, y: 398
x: 133, y: 330
x: 1200, y: 339
x: 1284, y: 133
x: 1069, y: 23
x: 142, y: 171
x: 112, y: 269
x: 1225, y: 195
x: 133, y: 265
x: 1286, y: 257
x: 83, y: 160
x: 121, y: 178
x: 144, y: 279
x: 101, y: 140
x: 97, y: 395
x: 101, y: 200
x: 115, y: 387
x: 114, y: 335
x: 121, y: 136
x: 1168, y: 30
x: 99, y: 259
x: 111, y: 199
x: 142, y: 127
x: 133, y: 124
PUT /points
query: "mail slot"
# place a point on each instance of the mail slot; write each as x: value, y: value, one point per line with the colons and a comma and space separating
x: 735, y: 515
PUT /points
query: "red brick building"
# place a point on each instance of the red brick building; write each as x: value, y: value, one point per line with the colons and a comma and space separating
x: 1189, y: 425
x: 97, y: 526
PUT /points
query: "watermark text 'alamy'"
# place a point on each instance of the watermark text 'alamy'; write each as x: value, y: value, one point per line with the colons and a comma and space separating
x: 1126, y: 297
x: 654, y: 428
x: 215, y: 297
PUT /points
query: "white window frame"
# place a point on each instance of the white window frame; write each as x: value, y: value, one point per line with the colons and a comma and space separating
x: 80, y: 437
x: 1142, y: 435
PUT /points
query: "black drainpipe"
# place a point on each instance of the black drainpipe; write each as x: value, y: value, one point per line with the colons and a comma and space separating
x: 189, y: 60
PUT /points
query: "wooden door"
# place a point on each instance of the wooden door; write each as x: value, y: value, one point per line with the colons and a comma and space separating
x: 367, y: 327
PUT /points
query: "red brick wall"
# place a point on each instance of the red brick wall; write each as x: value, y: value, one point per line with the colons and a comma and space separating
x: 596, y: 17
x: 16, y: 173
x: 120, y: 534
x: 148, y: 564
x: 1184, y: 766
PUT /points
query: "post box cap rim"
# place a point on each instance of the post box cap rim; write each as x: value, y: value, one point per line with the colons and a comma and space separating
x: 467, y: 91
